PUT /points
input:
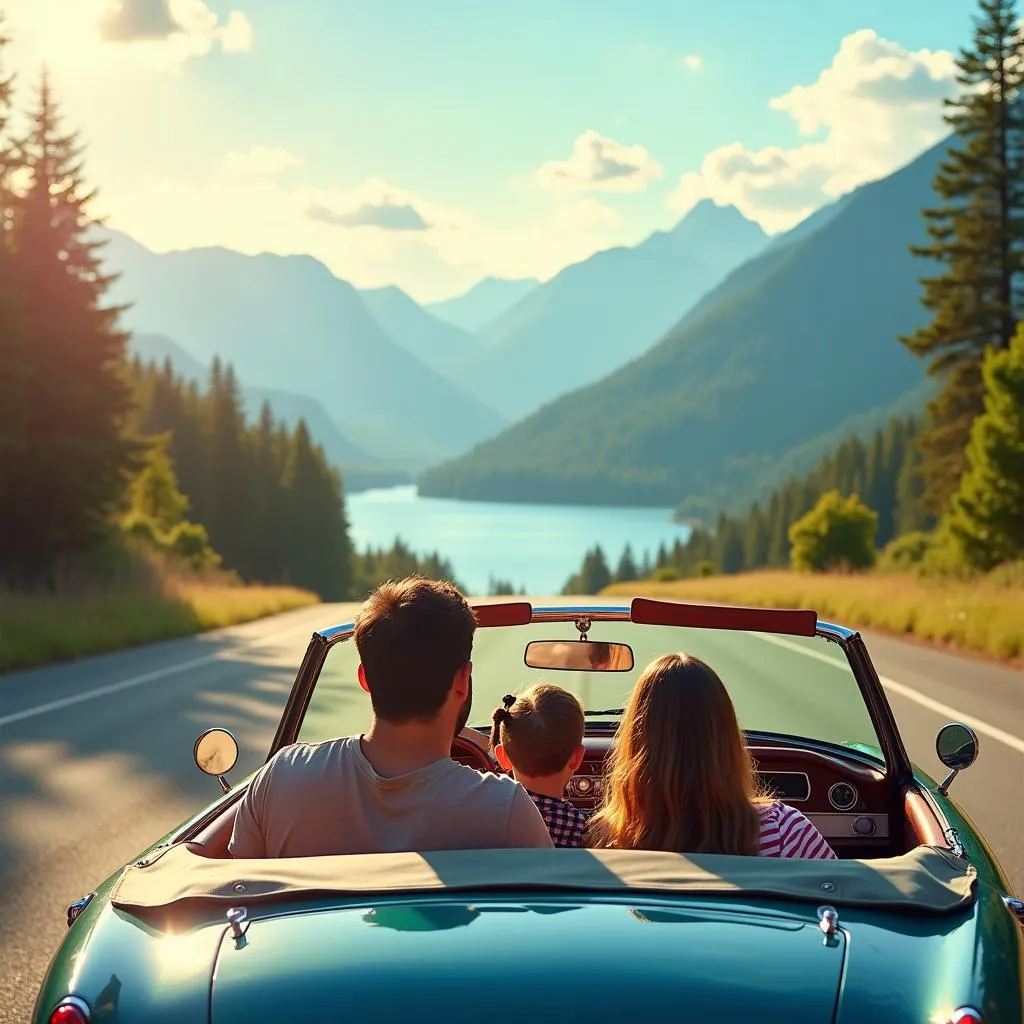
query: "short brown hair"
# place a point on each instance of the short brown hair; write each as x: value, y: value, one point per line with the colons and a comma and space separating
x: 540, y: 729
x: 413, y: 635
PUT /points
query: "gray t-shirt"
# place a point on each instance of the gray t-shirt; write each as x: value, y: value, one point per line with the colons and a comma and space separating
x: 320, y: 799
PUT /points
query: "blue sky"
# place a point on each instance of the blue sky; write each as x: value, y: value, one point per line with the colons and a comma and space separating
x: 429, y: 142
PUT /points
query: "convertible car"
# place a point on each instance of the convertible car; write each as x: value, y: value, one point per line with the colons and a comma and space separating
x: 915, y: 921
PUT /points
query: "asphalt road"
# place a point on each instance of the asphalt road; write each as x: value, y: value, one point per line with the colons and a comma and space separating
x: 96, y: 756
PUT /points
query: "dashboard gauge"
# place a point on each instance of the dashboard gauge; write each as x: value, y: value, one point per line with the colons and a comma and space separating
x: 842, y: 796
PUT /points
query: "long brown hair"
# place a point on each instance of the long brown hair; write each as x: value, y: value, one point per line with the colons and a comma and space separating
x: 680, y: 777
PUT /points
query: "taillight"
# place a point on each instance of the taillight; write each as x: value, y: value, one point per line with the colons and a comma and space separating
x: 966, y: 1015
x: 71, y: 1010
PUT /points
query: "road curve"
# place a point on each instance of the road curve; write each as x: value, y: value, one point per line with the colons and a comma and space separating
x: 96, y: 758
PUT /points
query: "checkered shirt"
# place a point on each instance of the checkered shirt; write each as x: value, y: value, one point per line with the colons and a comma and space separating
x: 565, y: 822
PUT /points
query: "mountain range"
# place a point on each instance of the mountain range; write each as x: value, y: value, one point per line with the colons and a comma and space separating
x: 483, y: 303
x: 396, y: 385
x: 598, y: 314
x: 287, y: 323
x: 698, y: 366
x: 796, y: 347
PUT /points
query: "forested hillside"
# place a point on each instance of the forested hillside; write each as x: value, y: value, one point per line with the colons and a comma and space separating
x: 359, y: 470
x: 136, y: 504
x: 881, y: 470
x: 785, y: 350
x: 286, y: 322
x: 596, y: 315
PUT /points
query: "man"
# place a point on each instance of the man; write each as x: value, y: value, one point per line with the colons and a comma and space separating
x: 396, y: 787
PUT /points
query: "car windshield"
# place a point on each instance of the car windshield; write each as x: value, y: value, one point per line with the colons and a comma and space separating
x: 790, y: 685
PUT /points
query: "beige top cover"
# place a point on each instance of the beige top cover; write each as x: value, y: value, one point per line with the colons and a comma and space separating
x: 928, y: 879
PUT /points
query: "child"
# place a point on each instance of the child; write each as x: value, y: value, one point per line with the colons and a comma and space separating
x: 538, y: 736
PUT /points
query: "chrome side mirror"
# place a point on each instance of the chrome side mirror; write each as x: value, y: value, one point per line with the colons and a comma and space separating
x: 957, y: 746
x: 215, y: 753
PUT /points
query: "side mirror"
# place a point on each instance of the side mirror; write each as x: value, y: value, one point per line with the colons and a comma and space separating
x: 215, y: 753
x: 957, y: 746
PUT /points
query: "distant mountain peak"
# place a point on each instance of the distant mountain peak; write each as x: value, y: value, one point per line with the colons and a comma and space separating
x: 391, y: 290
x: 484, y: 302
x: 708, y: 215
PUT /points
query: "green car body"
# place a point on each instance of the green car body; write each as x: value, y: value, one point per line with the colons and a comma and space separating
x: 494, y: 955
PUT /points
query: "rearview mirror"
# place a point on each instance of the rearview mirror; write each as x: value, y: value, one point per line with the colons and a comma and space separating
x: 215, y: 753
x: 579, y: 656
x: 957, y: 746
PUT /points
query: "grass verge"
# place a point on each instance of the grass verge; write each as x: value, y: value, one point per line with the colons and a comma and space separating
x: 983, y: 616
x: 37, y: 629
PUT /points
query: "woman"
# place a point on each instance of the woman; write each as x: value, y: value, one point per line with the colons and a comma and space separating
x: 681, y: 778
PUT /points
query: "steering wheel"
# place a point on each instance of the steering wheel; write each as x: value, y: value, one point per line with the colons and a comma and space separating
x: 471, y: 746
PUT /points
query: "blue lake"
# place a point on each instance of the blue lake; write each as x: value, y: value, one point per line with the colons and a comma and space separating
x: 533, y: 546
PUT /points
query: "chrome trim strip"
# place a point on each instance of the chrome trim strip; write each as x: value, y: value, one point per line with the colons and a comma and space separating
x: 598, y: 613
x: 840, y: 826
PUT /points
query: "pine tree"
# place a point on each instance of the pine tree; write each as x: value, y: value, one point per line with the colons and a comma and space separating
x: 909, y: 513
x: 594, y: 575
x: 15, y: 356
x: 264, y: 507
x: 976, y: 237
x: 315, y: 539
x: 755, y: 539
x: 226, y: 466
x: 728, y: 545
x: 626, y: 571
x: 10, y: 158
x: 778, y: 541
x: 987, y: 515
x: 646, y: 567
x: 155, y: 493
x: 74, y: 467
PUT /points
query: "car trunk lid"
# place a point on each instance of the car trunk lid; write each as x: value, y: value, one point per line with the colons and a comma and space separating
x: 493, y: 961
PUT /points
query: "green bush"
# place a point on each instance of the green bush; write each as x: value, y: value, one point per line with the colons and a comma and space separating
x: 838, y: 533
x: 986, y: 519
x: 190, y: 544
x: 666, y: 574
x: 906, y: 552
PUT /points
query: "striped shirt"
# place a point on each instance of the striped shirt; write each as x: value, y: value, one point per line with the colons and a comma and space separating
x: 785, y: 832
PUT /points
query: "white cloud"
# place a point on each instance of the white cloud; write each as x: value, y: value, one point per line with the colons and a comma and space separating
x: 237, y: 35
x: 600, y: 164
x: 877, y: 106
x: 381, y: 206
x: 164, y: 34
x: 262, y: 160
x: 693, y: 61
x: 386, y: 215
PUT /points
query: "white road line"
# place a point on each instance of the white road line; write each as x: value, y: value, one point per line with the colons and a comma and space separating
x: 146, y: 677
x: 1013, y: 742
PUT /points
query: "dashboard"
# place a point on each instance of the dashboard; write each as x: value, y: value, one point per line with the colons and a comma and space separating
x: 848, y: 802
